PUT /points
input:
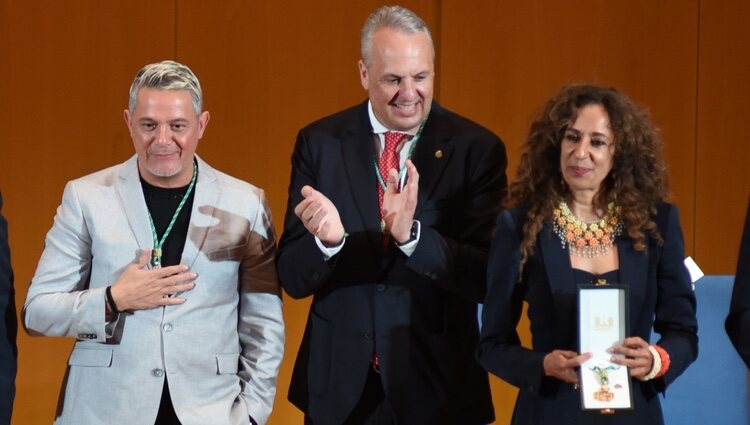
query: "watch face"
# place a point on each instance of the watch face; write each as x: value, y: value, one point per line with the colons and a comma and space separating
x: 413, y: 234
x: 414, y: 231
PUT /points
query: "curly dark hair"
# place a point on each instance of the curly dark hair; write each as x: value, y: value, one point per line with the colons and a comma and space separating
x: 637, y: 181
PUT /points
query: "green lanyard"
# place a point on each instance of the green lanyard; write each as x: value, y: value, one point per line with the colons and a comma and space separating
x: 408, y: 156
x: 156, y: 257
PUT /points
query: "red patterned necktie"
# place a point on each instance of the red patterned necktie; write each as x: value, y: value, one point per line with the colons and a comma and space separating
x: 388, y: 160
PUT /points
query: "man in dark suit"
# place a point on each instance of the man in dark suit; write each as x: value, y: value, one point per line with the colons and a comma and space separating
x: 738, y: 321
x: 395, y: 261
x: 8, y: 326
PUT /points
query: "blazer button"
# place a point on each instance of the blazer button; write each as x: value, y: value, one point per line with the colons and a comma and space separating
x: 167, y: 327
x: 380, y: 287
x: 368, y: 336
x: 158, y: 373
x: 315, y: 276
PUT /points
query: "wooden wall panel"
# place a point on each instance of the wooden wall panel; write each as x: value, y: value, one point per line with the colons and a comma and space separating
x: 723, y: 153
x: 502, y: 60
x: 268, y: 69
x: 66, y: 71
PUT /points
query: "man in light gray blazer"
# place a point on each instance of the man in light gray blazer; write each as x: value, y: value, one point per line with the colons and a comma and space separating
x: 163, y: 269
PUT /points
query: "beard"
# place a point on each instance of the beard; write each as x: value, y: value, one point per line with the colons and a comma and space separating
x: 165, y: 170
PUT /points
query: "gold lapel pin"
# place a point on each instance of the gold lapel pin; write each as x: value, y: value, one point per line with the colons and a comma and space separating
x: 439, y: 153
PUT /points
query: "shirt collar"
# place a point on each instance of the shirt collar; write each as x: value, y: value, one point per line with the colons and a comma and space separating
x: 378, y: 127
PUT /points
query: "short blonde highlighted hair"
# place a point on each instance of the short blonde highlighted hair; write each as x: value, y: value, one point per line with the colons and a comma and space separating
x: 167, y: 75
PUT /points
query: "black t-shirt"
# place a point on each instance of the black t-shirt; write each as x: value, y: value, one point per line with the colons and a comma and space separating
x: 162, y: 203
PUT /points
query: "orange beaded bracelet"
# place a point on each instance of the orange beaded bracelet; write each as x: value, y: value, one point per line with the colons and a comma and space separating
x: 664, y: 360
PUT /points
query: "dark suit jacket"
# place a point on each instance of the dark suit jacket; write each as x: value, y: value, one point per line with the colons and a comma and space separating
x: 661, y: 297
x: 8, y: 326
x: 419, y: 311
x: 738, y: 320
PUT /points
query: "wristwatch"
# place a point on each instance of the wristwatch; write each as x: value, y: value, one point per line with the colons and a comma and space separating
x: 413, y: 235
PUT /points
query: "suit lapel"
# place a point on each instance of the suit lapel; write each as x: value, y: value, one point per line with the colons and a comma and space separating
x: 130, y: 194
x: 207, y: 193
x: 358, y: 158
x: 556, y: 262
x: 633, y: 270
x: 633, y: 273
x: 431, y: 155
x: 633, y: 267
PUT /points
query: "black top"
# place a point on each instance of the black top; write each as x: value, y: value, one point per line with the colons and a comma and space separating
x: 583, y: 276
x: 162, y: 203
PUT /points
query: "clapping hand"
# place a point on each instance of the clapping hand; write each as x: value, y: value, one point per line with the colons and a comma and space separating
x: 399, y: 206
x: 320, y: 217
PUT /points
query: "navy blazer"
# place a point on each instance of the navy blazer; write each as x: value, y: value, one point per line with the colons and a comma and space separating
x: 8, y: 326
x: 660, y: 297
x: 419, y: 312
x: 738, y: 321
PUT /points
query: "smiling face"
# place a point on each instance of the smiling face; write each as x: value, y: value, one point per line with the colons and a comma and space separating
x: 399, y: 78
x: 165, y: 130
x: 587, y: 150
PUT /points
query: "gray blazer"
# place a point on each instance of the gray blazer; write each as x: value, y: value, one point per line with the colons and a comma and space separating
x: 220, y: 350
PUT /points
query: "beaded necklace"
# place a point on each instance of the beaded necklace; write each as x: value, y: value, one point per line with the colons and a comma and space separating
x: 587, y: 239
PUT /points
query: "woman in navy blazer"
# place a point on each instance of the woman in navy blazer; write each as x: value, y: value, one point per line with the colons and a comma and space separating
x: 587, y: 205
